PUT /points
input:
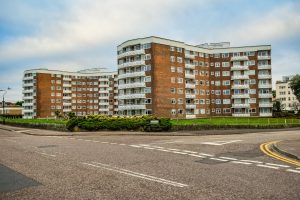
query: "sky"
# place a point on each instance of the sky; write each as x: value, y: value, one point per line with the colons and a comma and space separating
x: 79, y: 34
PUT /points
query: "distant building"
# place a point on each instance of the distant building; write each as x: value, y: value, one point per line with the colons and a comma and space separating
x: 10, y: 109
x: 285, y: 94
x: 172, y: 79
x: 92, y: 91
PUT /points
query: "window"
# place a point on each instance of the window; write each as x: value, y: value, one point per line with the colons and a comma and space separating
x: 173, y: 69
x: 217, y: 55
x: 172, y: 48
x: 217, y: 74
x: 148, y: 79
x: 202, y: 101
x: 147, y: 68
x: 180, y: 91
x: 58, y: 81
x: 218, y: 110
x: 179, y: 69
x: 180, y: 101
x: 179, y: 80
x: 147, y: 46
x: 225, y: 55
x: 148, y: 57
x: 172, y: 58
x: 226, y: 110
x: 225, y: 73
x: 226, y: 101
x: 218, y: 92
x: 173, y: 101
x: 217, y: 64
x: 173, y: 90
x: 207, y: 101
x: 212, y: 64
x: 252, y: 91
x: 226, y: 92
x: 217, y: 83
x: 173, y: 111
x: 173, y: 80
x: 252, y: 81
x: 225, y: 64
x: 179, y: 49
x: 218, y: 101
x: 147, y: 90
x: 226, y: 82
x: 179, y: 59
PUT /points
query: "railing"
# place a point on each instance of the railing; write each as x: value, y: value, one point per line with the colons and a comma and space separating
x: 129, y: 64
x: 190, y: 56
x: 190, y: 85
x: 264, y: 67
x: 131, y: 74
x: 190, y: 106
x: 190, y: 76
x: 264, y: 86
x: 264, y: 76
x: 131, y: 53
x: 243, y: 105
x: 240, y: 96
x: 190, y: 96
x: 265, y: 95
x: 132, y: 96
x: 263, y: 57
x: 189, y: 66
x: 132, y: 85
x: 239, y: 58
x: 235, y: 77
x: 239, y: 67
x: 266, y: 105
x: 245, y: 86
x: 132, y: 107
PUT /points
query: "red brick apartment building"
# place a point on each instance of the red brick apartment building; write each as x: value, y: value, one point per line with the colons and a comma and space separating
x: 92, y: 91
x: 173, y: 79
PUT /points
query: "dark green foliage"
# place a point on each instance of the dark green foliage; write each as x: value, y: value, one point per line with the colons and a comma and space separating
x: 295, y: 86
x: 100, y: 122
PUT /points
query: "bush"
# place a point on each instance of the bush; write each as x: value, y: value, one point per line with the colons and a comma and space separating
x: 101, y: 122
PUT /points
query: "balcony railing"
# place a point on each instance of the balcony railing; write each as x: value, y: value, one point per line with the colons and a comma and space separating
x: 239, y: 67
x: 189, y: 76
x: 265, y: 95
x: 240, y: 96
x: 264, y: 67
x: 132, y: 96
x: 190, y: 85
x: 190, y: 96
x: 131, y: 53
x: 263, y: 57
x: 189, y: 66
x: 243, y: 105
x: 190, y: 106
x: 264, y: 76
x: 244, y: 86
x: 239, y: 58
x: 132, y: 107
x: 131, y: 74
x: 132, y: 85
x: 266, y: 105
x: 190, y: 56
x: 264, y: 86
x: 130, y: 64
x: 241, y: 114
x: 239, y: 77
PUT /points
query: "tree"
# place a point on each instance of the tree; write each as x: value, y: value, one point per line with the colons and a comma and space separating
x: 274, y: 93
x: 19, y: 103
x: 295, y: 86
x: 71, y: 115
x: 57, y: 114
x: 278, y: 106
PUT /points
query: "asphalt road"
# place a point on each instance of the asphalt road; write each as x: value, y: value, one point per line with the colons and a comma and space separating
x: 145, y: 167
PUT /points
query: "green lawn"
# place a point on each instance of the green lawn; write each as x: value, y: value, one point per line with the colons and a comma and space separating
x: 235, y: 121
x: 37, y: 121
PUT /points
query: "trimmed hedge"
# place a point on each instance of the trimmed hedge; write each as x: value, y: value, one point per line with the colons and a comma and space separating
x: 102, y: 122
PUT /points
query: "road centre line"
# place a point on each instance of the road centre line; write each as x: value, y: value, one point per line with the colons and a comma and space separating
x: 267, y: 166
x: 252, y: 161
x: 239, y: 162
x: 218, y: 159
x: 195, y: 155
x: 292, y: 170
x: 135, y: 174
x: 277, y: 165
x: 228, y: 158
x: 205, y: 154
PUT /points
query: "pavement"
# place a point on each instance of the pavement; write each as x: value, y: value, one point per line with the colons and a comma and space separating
x: 97, y: 166
x: 289, y: 148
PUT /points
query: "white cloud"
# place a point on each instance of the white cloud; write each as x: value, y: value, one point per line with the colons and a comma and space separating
x: 274, y: 25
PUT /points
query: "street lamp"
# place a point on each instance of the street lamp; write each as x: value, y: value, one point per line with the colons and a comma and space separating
x: 3, y: 102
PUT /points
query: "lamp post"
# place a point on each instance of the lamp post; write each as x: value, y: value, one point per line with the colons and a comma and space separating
x: 3, y: 102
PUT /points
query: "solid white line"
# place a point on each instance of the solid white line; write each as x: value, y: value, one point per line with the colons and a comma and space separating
x: 228, y: 158
x: 95, y: 141
x: 46, y: 154
x: 135, y: 174
x: 196, y: 155
x: 205, y: 154
x: 286, y: 166
x: 252, y: 161
x: 178, y: 152
x: 19, y: 131
x: 292, y: 170
x: 238, y: 162
x: 218, y: 159
x: 266, y: 166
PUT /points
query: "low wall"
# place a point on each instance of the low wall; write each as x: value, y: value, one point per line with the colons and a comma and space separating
x: 54, y: 127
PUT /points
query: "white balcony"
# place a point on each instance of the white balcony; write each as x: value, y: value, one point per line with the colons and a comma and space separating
x: 28, y: 91
x: 27, y: 110
x: 189, y: 76
x: 266, y: 105
x: 240, y: 96
x: 190, y: 56
x: 132, y: 107
x: 103, y: 91
x: 27, y: 97
x: 67, y: 85
x: 264, y: 86
x: 264, y: 67
x: 245, y: 86
x: 264, y: 76
x: 239, y: 77
x: 265, y: 95
x: 239, y: 58
x: 104, y: 79
x: 189, y: 116
x: 131, y: 53
x: 265, y: 114
x: 67, y: 104
x: 130, y: 75
x: 263, y: 57
x: 189, y: 66
x: 103, y: 97
x: 67, y: 97
x: 104, y: 103
x: 239, y: 67
x: 132, y: 85
x: 190, y: 85
x: 67, y: 110
x: 27, y: 104
x: 67, y: 91
x: 130, y: 64
x: 103, y: 109
x: 241, y: 114
x: 190, y: 106
x: 242, y: 105
x: 103, y: 86
x: 28, y: 84
x: 28, y: 78
x: 132, y: 96
x: 190, y: 96
x: 67, y: 78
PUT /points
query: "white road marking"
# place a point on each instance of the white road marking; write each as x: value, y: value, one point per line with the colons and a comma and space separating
x: 239, y: 162
x: 46, y: 154
x: 189, y: 151
x: 136, y: 146
x: 267, y: 166
x: 135, y: 174
x: 104, y: 142
x: 292, y: 170
x: 219, y: 143
x: 19, y: 131
x: 298, y: 168
x: 218, y: 159
x: 149, y: 148
x: 10, y: 140
x: 122, y: 144
x: 196, y: 155
x: 252, y: 161
x: 277, y: 165
x: 165, y: 150
x: 178, y: 152
x: 113, y: 143
x: 205, y: 154
x: 158, y: 147
x: 174, y: 149
x: 228, y: 158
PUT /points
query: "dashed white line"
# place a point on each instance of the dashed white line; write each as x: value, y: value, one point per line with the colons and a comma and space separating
x: 113, y: 143
x: 148, y: 148
x: 122, y: 144
x: 277, y: 165
x: 189, y: 151
x: 195, y: 155
x: 135, y: 174
x: 267, y: 166
x: 104, y: 142
x: 252, y: 161
x: 292, y: 170
x: 174, y: 149
x: 228, y: 158
x: 178, y: 152
x: 136, y: 146
x: 239, y: 162
x: 218, y: 159
x: 46, y: 154
x: 205, y: 154
x: 165, y: 150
